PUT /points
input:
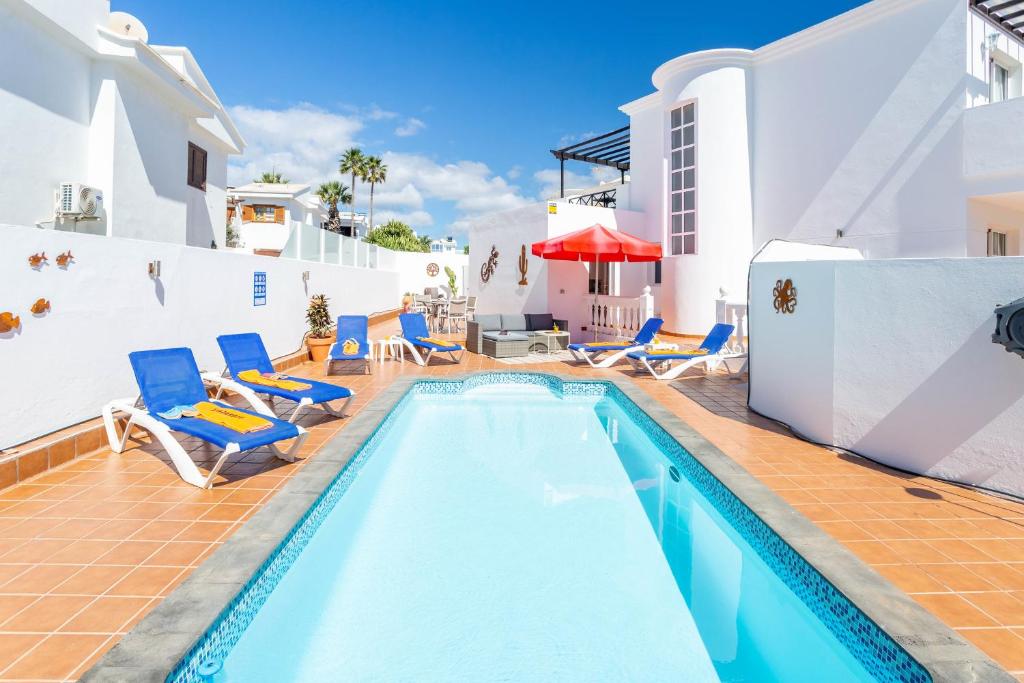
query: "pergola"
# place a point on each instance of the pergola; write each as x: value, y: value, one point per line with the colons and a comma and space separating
x: 1009, y: 14
x: 610, y: 149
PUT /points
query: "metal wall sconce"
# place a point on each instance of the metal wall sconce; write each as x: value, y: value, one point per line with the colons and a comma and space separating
x: 305, y: 276
x: 153, y: 268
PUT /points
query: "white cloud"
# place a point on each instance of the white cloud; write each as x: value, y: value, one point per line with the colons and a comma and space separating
x: 418, y: 219
x: 514, y: 172
x: 301, y: 142
x: 469, y: 184
x: 570, y: 138
x: 407, y: 196
x: 411, y: 126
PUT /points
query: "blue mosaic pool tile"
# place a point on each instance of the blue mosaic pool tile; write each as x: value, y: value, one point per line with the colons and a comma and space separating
x: 876, y: 650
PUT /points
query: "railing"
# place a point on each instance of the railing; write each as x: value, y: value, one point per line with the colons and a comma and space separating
x: 733, y: 312
x: 618, y: 317
x: 311, y: 243
x: 604, y: 198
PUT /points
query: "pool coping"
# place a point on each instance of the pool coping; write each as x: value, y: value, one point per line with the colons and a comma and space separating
x: 151, y: 650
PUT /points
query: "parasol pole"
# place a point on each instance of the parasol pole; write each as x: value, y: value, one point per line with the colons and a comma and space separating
x: 597, y: 292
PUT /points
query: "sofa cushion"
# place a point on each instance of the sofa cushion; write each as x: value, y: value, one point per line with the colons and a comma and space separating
x: 508, y: 336
x: 516, y: 321
x: 491, y: 321
x: 539, y: 321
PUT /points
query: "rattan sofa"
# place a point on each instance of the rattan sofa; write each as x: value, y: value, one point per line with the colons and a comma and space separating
x: 506, y: 335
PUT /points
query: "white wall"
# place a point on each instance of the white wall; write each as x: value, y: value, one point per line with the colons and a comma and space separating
x: 59, y: 369
x: 412, y: 267
x: 556, y: 287
x: 893, y: 359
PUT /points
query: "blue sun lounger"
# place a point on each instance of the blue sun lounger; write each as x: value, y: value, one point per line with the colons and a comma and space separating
x: 355, y: 327
x: 591, y: 352
x: 414, y: 331
x: 246, y: 352
x: 711, y: 355
x: 169, y: 378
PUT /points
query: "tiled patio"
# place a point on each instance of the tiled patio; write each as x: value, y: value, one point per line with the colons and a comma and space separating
x: 88, y: 549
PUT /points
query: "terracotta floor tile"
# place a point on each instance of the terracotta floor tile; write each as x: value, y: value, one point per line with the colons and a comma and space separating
x: 93, y: 580
x: 919, y: 552
x: 55, y: 658
x: 1001, y: 606
x: 130, y: 552
x: 105, y: 615
x: 14, y: 645
x: 1000, y: 643
x: 145, y: 581
x: 39, y: 579
x: 875, y: 552
x: 911, y: 578
x: 958, y: 577
x: 82, y: 552
x: 954, y: 610
x: 177, y: 553
x: 46, y: 614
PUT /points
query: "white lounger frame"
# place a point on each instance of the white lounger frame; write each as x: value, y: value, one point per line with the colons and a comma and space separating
x: 224, y: 381
x: 368, y: 357
x: 137, y: 415
x: 423, y: 360
x: 608, y: 361
x: 710, y: 362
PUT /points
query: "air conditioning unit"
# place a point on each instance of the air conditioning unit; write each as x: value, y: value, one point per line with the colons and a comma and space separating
x: 75, y: 199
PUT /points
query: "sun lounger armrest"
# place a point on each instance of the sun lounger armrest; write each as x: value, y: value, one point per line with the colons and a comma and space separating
x: 212, y: 378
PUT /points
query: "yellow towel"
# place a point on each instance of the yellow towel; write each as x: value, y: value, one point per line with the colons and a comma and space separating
x: 621, y: 343
x: 673, y: 352
x: 254, y: 377
x: 439, y: 342
x: 236, y: 420
x: 350, y: 347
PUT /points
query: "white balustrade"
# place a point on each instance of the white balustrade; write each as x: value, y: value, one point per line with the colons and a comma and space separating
x: 733, y: 312
x: 618, y: 317
x: 310, y: 243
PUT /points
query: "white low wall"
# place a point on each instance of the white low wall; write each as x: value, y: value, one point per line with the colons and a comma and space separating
x: 893, y: 359
x: 60, y: 368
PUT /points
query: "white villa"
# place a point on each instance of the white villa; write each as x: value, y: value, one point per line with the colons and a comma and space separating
x: 129, y: 136
x: 821, y: 137
x: 441, y: 246
x: 262, y: 214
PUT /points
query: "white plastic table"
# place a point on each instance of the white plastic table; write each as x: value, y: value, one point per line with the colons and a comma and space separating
x: 549, y: 335
x: 392, y: 345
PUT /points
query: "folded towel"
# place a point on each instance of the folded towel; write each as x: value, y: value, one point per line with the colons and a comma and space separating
x: 350, y: 347
x: 236, y: 420
x: 615, y: 344
x: 178, y: 412
x: 275, y: 380
x: 677, y: 352
x: 438, y: 342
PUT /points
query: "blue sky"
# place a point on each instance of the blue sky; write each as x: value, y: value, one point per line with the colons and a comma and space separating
x: 463, y: 99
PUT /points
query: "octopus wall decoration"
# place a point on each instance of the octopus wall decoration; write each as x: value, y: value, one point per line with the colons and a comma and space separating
x: 488, y: 268
x: 785, y: 296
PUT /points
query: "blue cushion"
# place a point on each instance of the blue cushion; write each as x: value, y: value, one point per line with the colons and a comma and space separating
x: 491, y: 321
x: 539, y: 321
x: 318, y: 392
x: 513, y: 321
x: 352, y: 327
x: 511, y: 336
x: 167, y: 378
x: 222, y: 436
x: 244, y: 352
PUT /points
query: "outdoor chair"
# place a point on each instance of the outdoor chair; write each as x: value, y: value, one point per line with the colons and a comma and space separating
x: 169, y: 378
x: 456, y: 313
x: 590, y: 352
x: 710, y: 353
x: 416, y: 337
x: 471, y: 307
x: 351, y: 329
x: 245, y: 353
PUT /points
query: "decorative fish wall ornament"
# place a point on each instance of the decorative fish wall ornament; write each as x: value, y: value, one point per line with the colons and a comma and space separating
x: 65, y: 259
x: 40, y: 307
x: 37, y: 260
x: 9, y: 321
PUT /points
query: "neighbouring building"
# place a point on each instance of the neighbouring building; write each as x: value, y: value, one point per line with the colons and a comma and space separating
x: 892, y: 129
x: 105, y: 133
x: 264, y: 214
x: 440, y: 246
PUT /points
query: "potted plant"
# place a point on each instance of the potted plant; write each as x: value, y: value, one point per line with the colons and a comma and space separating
x: 319, y: 338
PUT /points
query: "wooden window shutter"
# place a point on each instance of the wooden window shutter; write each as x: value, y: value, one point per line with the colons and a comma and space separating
x: 231, y: 212
x: 248, y: 215
x: 279, y: 214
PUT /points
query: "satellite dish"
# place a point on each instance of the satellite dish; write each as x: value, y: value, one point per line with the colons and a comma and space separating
x: 126, y: 25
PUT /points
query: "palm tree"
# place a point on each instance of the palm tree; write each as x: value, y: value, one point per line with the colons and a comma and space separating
x: 333, y: 193
x: 376, y: 171
x: 353, y: 161
x: 271, y: 177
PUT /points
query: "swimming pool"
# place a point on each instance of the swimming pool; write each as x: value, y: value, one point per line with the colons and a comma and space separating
x: 512, y: 527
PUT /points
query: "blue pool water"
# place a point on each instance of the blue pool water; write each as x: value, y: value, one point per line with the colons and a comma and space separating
x: 513, y: 533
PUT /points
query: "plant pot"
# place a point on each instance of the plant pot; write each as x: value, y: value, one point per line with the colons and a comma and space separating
x: 318, y: 348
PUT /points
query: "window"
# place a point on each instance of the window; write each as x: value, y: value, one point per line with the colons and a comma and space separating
x: 601, y: 272
x: 196, y: 167
x: 999, y: 83
x: 996, y: 243
x: 264, y: 213
x: 657, y: 272
x: 683, y: 180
